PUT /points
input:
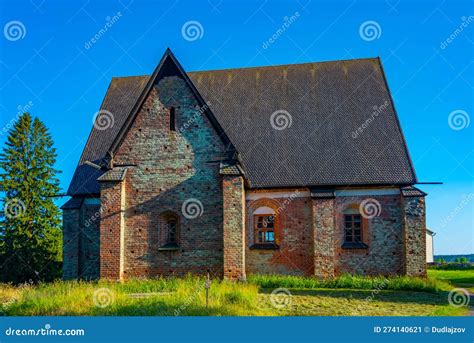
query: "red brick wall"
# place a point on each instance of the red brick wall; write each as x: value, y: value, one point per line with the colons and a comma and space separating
x: 171, y: 169
x: 295, y: 256
x: 312, y: 235
x: 234, y: 227
x: 111, y: 227
x: 71, y: 234
x: 81, y: 241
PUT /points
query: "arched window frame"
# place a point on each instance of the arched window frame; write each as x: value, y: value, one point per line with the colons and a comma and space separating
x: 264, y: 207
x: 169, y: 240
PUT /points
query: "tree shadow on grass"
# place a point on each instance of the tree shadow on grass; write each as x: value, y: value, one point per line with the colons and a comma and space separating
x: 422, y: 298
x: 160, y: 308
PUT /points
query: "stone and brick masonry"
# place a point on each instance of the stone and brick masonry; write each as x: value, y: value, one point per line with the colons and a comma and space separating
x: 116, y: 235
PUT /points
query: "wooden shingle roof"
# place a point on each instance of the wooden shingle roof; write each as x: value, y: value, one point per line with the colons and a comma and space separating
x: 292, y: 125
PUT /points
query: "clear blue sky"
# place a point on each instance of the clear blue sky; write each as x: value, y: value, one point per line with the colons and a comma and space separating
x: 49, y: 67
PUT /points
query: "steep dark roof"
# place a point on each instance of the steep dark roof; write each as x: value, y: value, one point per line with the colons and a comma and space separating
x: 119, y: 100
x: 114, y: 174
x: 410, y: 191
x: 326, y: 103
x: 226, y: 168
x: 72, y: 204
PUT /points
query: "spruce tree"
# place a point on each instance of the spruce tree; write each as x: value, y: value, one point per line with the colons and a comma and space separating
x: 30, y: 234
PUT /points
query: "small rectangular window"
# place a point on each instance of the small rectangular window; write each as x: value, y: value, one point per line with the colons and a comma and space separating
x: 172, y: 119
x: 171, y: 225
x: 352, y: 228
x: 265, y: 229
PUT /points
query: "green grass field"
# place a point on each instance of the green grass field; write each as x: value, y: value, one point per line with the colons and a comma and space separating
x: 459, y: 278
x: 347, y: 295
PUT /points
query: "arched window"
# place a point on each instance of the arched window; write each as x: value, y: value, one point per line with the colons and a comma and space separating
x: 172, y: 228
x: 265, y: 228
x: 168, y: 231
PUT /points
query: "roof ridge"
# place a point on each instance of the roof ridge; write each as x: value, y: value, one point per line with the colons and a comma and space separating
x: 129, y: 76
x: 264, y: 66
x: 286, y: 65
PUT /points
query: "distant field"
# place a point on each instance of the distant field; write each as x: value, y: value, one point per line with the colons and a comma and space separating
x: 459, y: 278
x: 260, y: 296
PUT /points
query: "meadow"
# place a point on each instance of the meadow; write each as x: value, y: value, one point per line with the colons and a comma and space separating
x: 258, y: 296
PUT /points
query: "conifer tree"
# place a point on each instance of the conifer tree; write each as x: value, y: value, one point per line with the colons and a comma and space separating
x: 30, y: 234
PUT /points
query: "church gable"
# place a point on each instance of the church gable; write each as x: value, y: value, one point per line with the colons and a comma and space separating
x: 172, y: 153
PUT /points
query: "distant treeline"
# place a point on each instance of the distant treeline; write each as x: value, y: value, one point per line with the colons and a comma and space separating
x: 454, y: 258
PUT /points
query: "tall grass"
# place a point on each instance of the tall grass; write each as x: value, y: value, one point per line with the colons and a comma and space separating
x: 397, y: 283
x: 162, y: 296
x: 187, y: 297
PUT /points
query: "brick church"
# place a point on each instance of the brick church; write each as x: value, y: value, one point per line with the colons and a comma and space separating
x: 298, y: 169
